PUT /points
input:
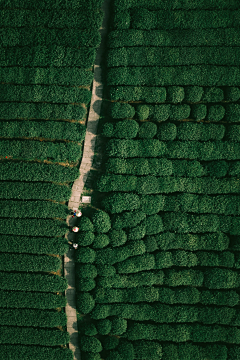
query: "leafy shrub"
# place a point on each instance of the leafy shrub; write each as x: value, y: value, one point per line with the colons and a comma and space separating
x: 119, y: 326
x: 85, y: 303
x: 117, y: 237
x: 233, y: 133
x: 200, y: 131
x: 232, y: 112
x: 147, y: 130
x: 85, y: 224
x: 86, y: 271
x: 215, y: 113
x: 106, y: 270
x: 167, y: 131
x: 126, y: 129
x: 199, y: 112
x: 136, y: 264
x: 161, y: 112
x: 142, y: 112
x: 193, y: 93
x: 133, y: 93
x: 213, y: 94
x: 187, y: 351
x: 110, y: 342
x: 118, y: 202
x: 100, y: 241
x: 154, y: 225
x: 101, y: 221
x: 175, y: 94
x: 107, y: 129
x: 121, y: 110
x: 221, y: 278
x: 232, y: 93
x: 90, y: 343
x: 135, y: 148
x: 85, y: 238
x: 15, y: 352
x: 85, y: 255
x: 121, y: 20
x: 127, y: 219
x: 104, y: 326
x: 151, y: 204
x: 137, y: 232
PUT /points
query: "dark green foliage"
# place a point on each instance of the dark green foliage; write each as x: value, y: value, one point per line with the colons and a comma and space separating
x: 119, y: 326
x: 132, y: 281
x: 24, y: 171
x: 233, y: 353
x: 117, y: 237
x: 167, y: 131
x: 85, y: 224
x: 121, y: 110
x: 85, y: 284
x: 192, y: 242
x: 34, y: 245
x: 33, y: 209
x: 182, y: 277
x: 119, y: 254
x: 101, y: 221
x: 110, y: 342
x: 88, y: 329
x: 104, y: 326
x: 132, y: 295
x: 154, y: 225
x: 31, y: 300
x: 145, y: 19
x: 198, y: 112
x: 137, y: 232
x: 233, y: 133
x: 36, y: 318
x: 41, y: 93
x: 135, y: 148
x: 32, y: 111
x: 85, y: 255
x: 232, y: 93
x: 128, y: 219
x: 147, y: 130
x: 126, y: 129
x: 130, y: 93
x: 85, y: 238
x: 106, y: 270
x: 147, y: 350
x: 222, y: 297
x: 193, y: 93
x: 175, y: 94
x: 221, y: 278
x: 136, y: 264
x: 189, y: 168
x: 179, y: 112
x: 200, y: 131
x: 32, y: 282
x: 90, y: 356
x: 232, y: 113
x: 215, y: 113
x: 116, y: 183
x: 151, y: 204
x: 190, y: 351
x: 15, y: 352
x: 213, y: 94
x: 91, y: 344
x: 217, y: 168
x: 161, y: 112
x: 121, y: 20
x: 85, y: 303
x: 118, y: 202
x: 26, y: 262
x: 86, y: 271
x: 35, y: 227
x: 142, y: 112
x: 100, y: 241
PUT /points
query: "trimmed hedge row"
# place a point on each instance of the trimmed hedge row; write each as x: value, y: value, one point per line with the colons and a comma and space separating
x: 35, y: 318
x: 35, y: 227
x: 46, y: 56
x: 135, y: 148
x: 44, y: 4
x: 14, y: 352
x: 49, y: 37
x: 41, y: 93
x: 32, y: 209
x: 26, y: 262
x: 38, y: 190
x: 190, y: 351
x: 32, y: 282
x: 130, y: 281
x: 32, y: 150
x: 32, y: 300
x: 154, y: 185
x: 182, y: 333
x: 134, y: 93
x: 172, y: 56
x: 201, y: 75
x: 186, y: 37
x: 31, y: 336
x: 57, y: 18
x: 46, y: 76
x: 31, y: 111
x: 126, y: 129
x: 191, y: 131
x: 25, y: 171
x: 196, y: 19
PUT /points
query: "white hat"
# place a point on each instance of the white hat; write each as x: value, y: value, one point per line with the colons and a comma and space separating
x: 78, y: 214
x: 75, y: 229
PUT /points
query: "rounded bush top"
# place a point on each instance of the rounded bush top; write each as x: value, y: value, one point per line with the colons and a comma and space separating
x: 101, y: 221
x: 147, y: 130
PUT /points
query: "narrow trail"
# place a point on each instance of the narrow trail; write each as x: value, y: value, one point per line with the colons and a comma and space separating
x: 77, y: 189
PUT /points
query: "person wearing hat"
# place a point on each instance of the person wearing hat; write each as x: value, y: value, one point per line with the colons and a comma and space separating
x: 75, y: 229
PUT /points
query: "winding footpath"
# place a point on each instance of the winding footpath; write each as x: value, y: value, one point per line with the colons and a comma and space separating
x: 77, y: 189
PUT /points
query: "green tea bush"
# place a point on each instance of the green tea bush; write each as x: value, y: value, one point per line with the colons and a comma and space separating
x: 225, y: 259
x: 85, y: 238
x: 151, y: 204
x: 130, y: 93
x: 221, y: 278
x: 85, y: 224
x: 116, y: 183
x: 121, y: 110
x: 213, y: 94
x: 132, y: 295
x: 104, y: 326
x: 175, y: 94
x: 232, y: 94
x: 142, y: 112
x: 200, y: 131
x: 27, y: 262
x: 161, y: 112
x: 167, y: 131
x: 90, y: 343
x: 90, y: 356
x: 121, y: 20
x: 188, y: 351
x: 215, y: 113
x: 135, y: 148
x: 126, y: 129
x: 100, y: 241
x: 179, y: 112
x: 132, y: 281
x: 85, y: 284
x: 147, y: 130
x: 199, y: 112
x: 110, y: 342
x: 32, y: 282
x: 147, y: 349
x: 118, y: 202
x: 101, y: 221
x: 33, y: 245
x: 86, y: 271
x: 106, y: 270
x: 233, y: 133
x: 31, y: 300
x: 85, y: 255
x: 42, y: 150
x: 154, y: 225
x: 138, y: 232
x: 35, y: 318
x: 232, y: 113
x: 89, y: 329
x: 128, y: 219
x: 35, y: 227
x: 14, y: 352
x: 24, y: 171
x: 38, y: 209
x: 136, y: 264
x: 189, y: 168
x: 85, y: 303
x: 117, y: 237
x: 32, y: 111
x: 119, y: 326
x: 222, y: 297
x: 193, y: 93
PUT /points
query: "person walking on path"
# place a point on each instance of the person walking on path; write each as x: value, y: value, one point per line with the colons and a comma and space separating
x: 75, y: 229
x: 73, y: 246
x: 77, y: 213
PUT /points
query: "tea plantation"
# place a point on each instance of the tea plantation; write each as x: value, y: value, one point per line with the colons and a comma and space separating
x: 158, y: 263
x: 48, y: 49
